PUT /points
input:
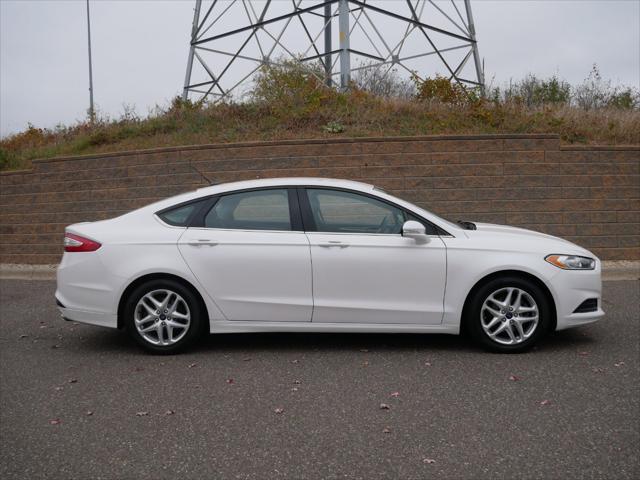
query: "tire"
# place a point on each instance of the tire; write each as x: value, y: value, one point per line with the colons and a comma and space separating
x: 495, y: 327
x: 159, y: 329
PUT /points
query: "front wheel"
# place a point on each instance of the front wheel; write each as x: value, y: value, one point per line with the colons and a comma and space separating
x: 508, y: 315
x: 163, y: 316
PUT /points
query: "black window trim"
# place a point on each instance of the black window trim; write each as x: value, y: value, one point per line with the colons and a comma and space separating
x: 191, y: 217
x: 300, y: 213
x: 310, y: 225
x: 295, y: 216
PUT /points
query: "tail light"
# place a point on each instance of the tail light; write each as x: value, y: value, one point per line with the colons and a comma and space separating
x: 76, y: 243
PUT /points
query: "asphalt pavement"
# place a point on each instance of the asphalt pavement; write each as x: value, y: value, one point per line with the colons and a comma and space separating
x: 80, y: 402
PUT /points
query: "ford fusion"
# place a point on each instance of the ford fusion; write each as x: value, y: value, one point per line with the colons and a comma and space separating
x: 319, y: 255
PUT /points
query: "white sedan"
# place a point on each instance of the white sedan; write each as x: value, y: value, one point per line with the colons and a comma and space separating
x: 319, y: 255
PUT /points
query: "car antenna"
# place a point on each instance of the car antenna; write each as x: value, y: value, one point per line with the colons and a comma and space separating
x: 209, y: 181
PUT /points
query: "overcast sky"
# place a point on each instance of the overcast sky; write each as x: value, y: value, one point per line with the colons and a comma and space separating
x: 140, y: 50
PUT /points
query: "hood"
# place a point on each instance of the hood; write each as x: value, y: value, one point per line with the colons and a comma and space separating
x: 508, y: 238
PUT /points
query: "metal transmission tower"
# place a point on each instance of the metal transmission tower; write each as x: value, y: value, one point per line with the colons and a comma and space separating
x: 232, y: 39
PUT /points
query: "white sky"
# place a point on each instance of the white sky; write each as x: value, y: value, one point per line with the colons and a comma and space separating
x: 140, y: 50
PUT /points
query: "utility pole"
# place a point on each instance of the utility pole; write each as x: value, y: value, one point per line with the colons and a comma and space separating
x: 345, y: 56
x: 192, y: 49
x: 327, y: 43
x: 474, y: 46
x: 92, y: 112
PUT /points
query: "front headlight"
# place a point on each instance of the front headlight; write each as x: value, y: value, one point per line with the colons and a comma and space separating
x: 571, y: 262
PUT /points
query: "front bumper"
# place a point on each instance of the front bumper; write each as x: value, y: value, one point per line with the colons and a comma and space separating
x: 571, y: 288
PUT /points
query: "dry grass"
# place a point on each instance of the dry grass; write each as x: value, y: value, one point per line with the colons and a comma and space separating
x: 284, y: 109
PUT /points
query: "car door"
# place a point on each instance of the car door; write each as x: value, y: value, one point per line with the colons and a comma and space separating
x: 252, y: 257
x: 364, y: 270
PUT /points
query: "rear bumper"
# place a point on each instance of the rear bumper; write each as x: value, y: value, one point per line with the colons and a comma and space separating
x: 86, y: 291
x: 92, y: 318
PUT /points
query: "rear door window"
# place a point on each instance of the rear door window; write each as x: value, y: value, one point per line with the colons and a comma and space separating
x: 253, y: 210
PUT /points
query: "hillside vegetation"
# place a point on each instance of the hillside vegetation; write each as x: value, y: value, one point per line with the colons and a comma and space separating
x: 291, y: 102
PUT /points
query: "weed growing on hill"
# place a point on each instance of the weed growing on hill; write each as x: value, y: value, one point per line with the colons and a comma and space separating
x: 291, y: 101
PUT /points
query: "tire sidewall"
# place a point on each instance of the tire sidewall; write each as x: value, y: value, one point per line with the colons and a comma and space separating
x: 195, y: 309
x: 473, y: 321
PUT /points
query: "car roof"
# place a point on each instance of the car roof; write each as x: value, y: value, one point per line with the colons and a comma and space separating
x: 288, y: 181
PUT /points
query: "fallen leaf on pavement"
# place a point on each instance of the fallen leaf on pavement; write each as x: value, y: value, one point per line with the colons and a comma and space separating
x: 279, y: 410
x: 23, y: 336
x: 514, y: 378
x: 169, y: 412
x: 384, y: 406
x: 297, y: 382
x: 428, y: 461
x: 619, y: 364
x: 73, y: 380
x: 545, y: 402
x: 89, y: 413
x: 142, y: 414
x: 386, y: 430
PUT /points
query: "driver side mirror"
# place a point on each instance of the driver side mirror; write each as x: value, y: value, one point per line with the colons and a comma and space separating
x: 415, y: 230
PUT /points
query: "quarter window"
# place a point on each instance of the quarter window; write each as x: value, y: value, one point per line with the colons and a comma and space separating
x: 254, y: 210
x: 179, y: 216
x: 346, y: 212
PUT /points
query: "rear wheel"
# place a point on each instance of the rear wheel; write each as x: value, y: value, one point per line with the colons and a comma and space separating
x: 163, y: 316
x: 509, y: 315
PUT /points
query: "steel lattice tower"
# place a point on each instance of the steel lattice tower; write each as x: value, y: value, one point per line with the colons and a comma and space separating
x: 232, y: 39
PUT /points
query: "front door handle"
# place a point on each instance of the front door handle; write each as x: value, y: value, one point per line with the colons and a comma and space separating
x: 202, y: 243
x: 333, y: 243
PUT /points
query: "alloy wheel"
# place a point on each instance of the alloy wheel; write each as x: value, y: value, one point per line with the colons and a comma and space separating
x: 162, y: 317
x: 509, y: 316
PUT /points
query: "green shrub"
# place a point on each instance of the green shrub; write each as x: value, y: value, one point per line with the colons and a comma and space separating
x: 533, y: 91
x: 291, y: 90
x: 442, y: 90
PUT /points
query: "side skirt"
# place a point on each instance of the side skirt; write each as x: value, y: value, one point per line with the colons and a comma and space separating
x: 248, y: 327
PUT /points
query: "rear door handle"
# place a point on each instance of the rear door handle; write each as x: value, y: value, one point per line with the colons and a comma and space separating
x: 202, y: 243
x: 333, y: 243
